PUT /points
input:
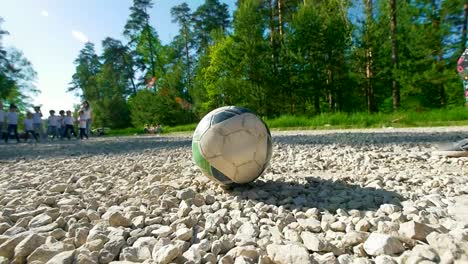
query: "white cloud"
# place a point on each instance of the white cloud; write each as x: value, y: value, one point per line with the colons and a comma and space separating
x: 44, y: 13
x: 80, y: 36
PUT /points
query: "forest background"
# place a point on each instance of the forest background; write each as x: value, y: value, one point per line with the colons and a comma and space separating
x: 307, y: 59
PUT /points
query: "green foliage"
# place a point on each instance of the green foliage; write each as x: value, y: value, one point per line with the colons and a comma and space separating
x: 129, y: 131
x: 17, y: 76
x: 148, y: 108
x: 281, y: 59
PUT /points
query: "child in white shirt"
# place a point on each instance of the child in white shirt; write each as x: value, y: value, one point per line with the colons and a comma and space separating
x: 82, y: 121
x: 61, y: 126
x: 37, y: 121
x: 12, y: 123
x: 29, y: 126
x: 68, y: 122
x: 52, y: 125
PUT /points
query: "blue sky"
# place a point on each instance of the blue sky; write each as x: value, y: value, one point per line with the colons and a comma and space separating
x: 50, y: 33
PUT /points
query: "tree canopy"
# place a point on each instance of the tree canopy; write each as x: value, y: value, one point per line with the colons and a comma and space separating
x: 301, y: 57
x: 17, y: 75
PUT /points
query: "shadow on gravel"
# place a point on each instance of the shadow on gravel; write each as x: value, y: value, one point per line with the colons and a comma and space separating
x: 317, y: 193
x: 94, y: 146
x: 375, y: 138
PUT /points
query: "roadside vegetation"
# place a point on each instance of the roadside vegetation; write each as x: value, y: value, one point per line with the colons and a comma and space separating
x: 437, y: 117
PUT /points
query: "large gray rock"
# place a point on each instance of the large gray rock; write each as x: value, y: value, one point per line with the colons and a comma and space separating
x: 27, y: 246
x: 310, y: 224
x: 354, y: 238
x: 193, y: 255
x: 7, y: 248
x: 186, y: 194
x: 249, y: 252
x: 286, y: 254
x: 4, y: 260
x: 113, y: 246
x: 246, y: 233
x: 81, y: 235
x: 314, y: 242
x: 4, y: 227
x: 117, y: 219
x: 163, y: 231
x: 415, y: 230
x: 362, y: 225
x: 214, y: 220
x: 65, y: 257
x: 47, y: 251
x: 143, y: 247
x: 447, y: 248
x: 166, y: 254
x: 382, y: 244
x: 184, y: 234
x: 384, y: 259
x: 59, y: 187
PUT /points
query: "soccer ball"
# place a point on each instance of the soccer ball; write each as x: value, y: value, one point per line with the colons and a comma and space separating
x: 232, y: 145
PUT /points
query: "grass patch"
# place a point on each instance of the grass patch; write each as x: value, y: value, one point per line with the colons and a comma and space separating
x: 125, y: 131
x: 437, y: 117
x: 181, y: 128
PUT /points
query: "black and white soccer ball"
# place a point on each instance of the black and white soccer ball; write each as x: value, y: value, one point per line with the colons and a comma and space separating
x: 232, y: 145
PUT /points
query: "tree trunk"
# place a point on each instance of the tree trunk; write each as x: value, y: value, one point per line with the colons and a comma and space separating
x: 274, y: 54
x: 369, y: 58
x: 280, y: 21
x: 465, y: 18
x: 317, y: 103
x: 150, y: 42
x: 436, y: 21
x: 393, y: 35
x: 187, y: 57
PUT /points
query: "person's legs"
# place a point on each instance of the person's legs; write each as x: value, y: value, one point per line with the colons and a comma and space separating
x: 56, y: 132
x: 66, y: 133
x: 48, y: 131
x: 73, y: 131
x: 34, y: 135
x: 2, y: 131
x: 88, y: 127
x: 37, y: 129
x: 53, y: 130
x: 15, y: 131
x: 9, y: 129
x: 82, y: 132
x: 61, y: 132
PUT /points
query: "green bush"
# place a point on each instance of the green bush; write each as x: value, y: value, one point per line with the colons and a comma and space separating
x: 149, y: 108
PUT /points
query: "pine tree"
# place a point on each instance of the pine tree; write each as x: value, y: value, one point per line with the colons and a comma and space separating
x: 181, y: 14
x: 138, y: 30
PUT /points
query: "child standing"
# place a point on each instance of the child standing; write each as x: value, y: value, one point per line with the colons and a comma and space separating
x: 82, y: 120
x: 61, y: 126
x: 12, y: 123
x: 37, y: 121
x: 53, y: 124
x: 29, y: 127
x: 68, y: 123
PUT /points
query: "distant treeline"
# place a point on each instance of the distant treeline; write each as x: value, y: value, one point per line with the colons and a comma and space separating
x: 277, y: 57
x: 17, y: 76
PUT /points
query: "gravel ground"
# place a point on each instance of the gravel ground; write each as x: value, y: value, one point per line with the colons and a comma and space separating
x: 354, y: 196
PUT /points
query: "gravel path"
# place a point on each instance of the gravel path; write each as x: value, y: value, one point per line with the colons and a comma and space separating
x: 354, y: 196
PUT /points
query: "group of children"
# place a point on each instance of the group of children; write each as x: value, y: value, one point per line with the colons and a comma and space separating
x: 58, y: 126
